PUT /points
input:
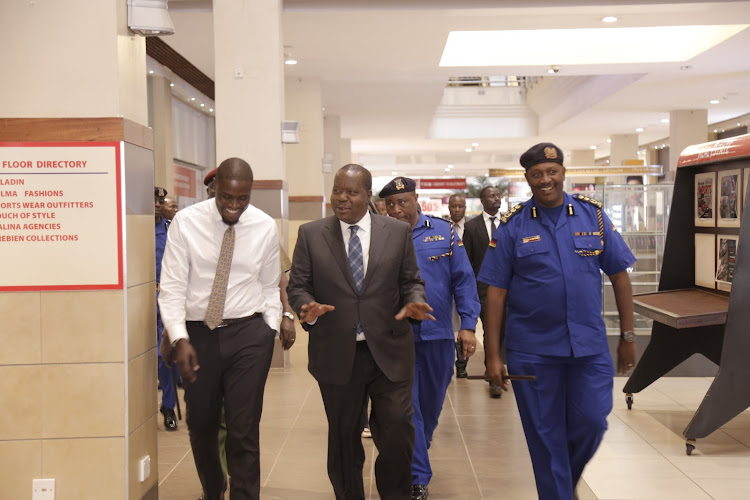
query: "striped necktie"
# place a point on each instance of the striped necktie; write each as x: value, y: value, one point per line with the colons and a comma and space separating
x: 356, y: 263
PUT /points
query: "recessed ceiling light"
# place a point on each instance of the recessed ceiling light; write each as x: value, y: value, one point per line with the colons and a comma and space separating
x: 171, y: 84
x: 290, y: 62
x: 450, y: 166
x: 663, y: 146
x: 665, y: 120
x: 639, y: 129
x: 609, y: 140
x: 610, y: 19
x: 394, y: 173
x: 603, y: 45
x: 151, y: 72
x: 447, y: 169
x: 715, y: 131
x: 474, y: 144
x: 468, y: 150
x: 592, y: 147
x: 714, y: 101
x: 738, y: 124
x: 192, y: 98
x: 202, y: 105
x: 211, y: 110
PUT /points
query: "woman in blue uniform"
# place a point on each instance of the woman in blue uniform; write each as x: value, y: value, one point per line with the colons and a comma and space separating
x: 544, y: 264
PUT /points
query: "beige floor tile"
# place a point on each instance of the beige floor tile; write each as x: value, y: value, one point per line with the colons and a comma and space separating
x: 479, y: 450
x: 726, y: 489
x: 654, y: 488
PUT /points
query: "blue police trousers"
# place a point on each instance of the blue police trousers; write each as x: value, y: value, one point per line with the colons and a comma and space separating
x: 433, y: 372
x: 564, y: 415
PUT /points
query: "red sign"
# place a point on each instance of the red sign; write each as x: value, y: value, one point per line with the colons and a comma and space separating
x: 442, y: 183
x: 184, y: 182
x: 710, y: 152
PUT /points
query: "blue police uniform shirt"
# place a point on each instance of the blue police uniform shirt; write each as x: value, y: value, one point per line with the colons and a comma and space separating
x: 554, y: 299
x: 447, y: 278
x: 161, y: 241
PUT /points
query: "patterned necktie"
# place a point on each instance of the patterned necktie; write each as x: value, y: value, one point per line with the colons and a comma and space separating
x: 493, y: 226
x: 215, y: 311
x: 356, y: 264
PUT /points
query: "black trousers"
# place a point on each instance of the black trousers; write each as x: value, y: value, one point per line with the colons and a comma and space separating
x: 390, y: 424
x: 234, y: 362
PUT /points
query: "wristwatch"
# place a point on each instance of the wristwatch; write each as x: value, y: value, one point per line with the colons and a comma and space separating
x: 628, y: 336
x: 289, y: 315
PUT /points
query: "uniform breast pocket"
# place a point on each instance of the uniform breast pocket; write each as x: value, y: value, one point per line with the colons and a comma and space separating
x: 433, y: 251
x: 588, y: 246
x: 533, y: 259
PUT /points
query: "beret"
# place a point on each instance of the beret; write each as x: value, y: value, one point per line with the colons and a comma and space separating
x: 160, y: 192
x: 544, y: 152
x: 209, y: 177
x: 399, y: 185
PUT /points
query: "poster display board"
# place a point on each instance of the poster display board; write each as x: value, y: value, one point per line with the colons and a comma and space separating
x: 728, y: 188
x: 60, y: 216
x: 705, y: 195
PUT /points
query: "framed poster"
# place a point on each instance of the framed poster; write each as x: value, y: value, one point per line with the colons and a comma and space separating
x: 726, y: 252
x: 704, y: 199
x: 705, y: 260
x: 729, y: 194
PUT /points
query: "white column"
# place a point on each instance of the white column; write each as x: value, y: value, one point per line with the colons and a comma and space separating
x: 686, y: 127
x: 249, y: 78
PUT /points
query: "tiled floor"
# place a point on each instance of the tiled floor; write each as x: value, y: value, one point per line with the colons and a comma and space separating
x: 479, y: 451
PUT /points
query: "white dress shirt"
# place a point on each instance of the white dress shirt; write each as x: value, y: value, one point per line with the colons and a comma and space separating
x: 364, y: 232
x: 460, y: 227
x: 488, y: 222
x: 189, y: 267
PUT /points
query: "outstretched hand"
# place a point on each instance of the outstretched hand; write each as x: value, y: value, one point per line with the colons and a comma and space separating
x: 416, y: 310
x: 313, y: 310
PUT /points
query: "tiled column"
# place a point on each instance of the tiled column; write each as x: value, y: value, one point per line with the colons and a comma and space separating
x: 160, y: 120
x: 79, y: 367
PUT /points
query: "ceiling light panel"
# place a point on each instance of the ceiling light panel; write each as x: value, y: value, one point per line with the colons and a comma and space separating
x: 582, y: 46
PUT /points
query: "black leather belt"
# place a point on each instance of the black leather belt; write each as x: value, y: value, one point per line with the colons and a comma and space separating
x: 234, y: 321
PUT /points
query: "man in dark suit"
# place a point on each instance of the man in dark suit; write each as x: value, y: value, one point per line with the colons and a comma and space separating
x: 353, y: 283
x: 477, y: 234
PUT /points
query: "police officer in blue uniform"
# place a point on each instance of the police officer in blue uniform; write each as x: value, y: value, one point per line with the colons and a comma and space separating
x: 446, y: 270
x: 168, y: 400
x: 544, y: 263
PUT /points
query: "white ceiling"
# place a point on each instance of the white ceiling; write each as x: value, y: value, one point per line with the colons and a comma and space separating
x: 378, y: 66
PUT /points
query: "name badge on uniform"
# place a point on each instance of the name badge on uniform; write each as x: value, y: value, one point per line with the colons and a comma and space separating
x: 529, y: 239
x: 437, y: 237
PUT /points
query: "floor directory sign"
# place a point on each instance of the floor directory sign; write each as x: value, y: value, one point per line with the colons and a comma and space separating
x: 60, y: 216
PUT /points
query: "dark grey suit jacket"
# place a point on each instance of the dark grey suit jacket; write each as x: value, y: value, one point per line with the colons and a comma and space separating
x: 320, y: 272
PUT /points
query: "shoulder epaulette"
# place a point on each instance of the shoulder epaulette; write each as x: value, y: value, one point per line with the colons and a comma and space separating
x: 436, y: 218
x: 510, y: 213
x: 580, y: 197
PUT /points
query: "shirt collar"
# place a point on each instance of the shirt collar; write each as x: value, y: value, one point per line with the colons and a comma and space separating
x: 365, y: 223
x: 487, y: 216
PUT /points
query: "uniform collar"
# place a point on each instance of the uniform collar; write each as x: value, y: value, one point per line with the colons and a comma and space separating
x: 423, y: 221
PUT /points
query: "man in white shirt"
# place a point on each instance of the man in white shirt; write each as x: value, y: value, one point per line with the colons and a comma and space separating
x: 220, y: 303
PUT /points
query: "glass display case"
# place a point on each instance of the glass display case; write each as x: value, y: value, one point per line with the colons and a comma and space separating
x: 640, y: 214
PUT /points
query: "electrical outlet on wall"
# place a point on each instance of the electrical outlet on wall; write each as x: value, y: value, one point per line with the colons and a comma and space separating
x: 43, y: 489
x: 144, y: 468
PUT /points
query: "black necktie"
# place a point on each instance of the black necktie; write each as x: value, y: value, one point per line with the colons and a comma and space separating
x: 493, y: 226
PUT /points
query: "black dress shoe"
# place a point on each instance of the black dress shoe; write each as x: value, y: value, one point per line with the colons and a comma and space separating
x: 170, y: 420
x: 418, y: 492
x: 496, y: 391
x: 461, y: 372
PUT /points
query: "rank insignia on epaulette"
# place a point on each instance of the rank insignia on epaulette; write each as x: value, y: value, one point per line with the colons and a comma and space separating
x: 493, y: 243
x: 594, y: 202
x: 529, y: 239
x: 437, y: 237
x: 510, y: 213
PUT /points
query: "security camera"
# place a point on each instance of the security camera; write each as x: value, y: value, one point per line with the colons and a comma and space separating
x: 553, y: 69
